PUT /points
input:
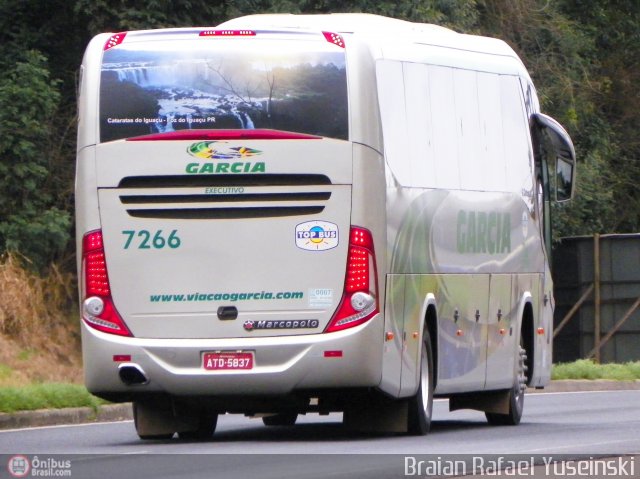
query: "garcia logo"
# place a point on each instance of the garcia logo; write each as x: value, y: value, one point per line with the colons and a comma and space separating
x: 218, y: 150
x: 317, y: 235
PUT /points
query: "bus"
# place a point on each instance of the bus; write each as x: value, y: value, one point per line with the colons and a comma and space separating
x: 294, y: 214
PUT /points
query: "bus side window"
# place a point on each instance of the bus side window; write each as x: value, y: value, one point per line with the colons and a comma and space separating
x: 554, y: 151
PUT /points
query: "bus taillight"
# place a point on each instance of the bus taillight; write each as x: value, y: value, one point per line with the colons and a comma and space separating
x: 114, y: 40
x: 360, y: 297
x: 98, y: 310
x: 227, y: 33
x: 334, y: 38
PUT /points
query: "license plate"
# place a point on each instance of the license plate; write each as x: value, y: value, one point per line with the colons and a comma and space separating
x: 227, y: 361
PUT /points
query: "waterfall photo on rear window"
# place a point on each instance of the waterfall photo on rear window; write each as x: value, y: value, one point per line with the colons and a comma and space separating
x: 161, y: 89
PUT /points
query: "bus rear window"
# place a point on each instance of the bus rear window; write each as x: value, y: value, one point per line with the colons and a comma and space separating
x: 160, y: 87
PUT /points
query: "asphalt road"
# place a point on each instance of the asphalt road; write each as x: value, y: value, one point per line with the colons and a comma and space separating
x: 597, y: 424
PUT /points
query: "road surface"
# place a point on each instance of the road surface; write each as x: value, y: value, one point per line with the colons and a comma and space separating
x: 559, y: 425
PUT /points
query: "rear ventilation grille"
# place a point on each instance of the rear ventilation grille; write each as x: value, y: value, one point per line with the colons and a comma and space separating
x: 183, y: 181
x: 224, y: 197
x: 226, y: 213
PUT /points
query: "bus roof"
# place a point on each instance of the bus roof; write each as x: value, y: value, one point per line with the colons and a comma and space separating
x: 375, y: 28
x: 339, y: 22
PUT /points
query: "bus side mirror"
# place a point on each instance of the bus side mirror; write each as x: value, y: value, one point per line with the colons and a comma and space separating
x: 563, y: 153
x: 565, y: 173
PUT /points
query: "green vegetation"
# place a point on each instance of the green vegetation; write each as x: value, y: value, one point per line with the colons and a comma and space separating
x: 46, y: 396
x: 587, y: 369
x: 581, y: 54
x: 5, y: 371
x: 37, y: 311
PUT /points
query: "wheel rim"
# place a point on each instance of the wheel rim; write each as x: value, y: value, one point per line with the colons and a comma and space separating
x: 424, y: 379
x: 521, y: 380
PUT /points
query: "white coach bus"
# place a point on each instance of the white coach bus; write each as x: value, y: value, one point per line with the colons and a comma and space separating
x: 293, y: 214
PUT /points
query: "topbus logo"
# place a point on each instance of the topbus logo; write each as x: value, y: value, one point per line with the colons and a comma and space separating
x: 317, y: 235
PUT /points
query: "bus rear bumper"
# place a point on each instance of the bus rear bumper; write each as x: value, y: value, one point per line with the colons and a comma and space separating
x: 346, y: 359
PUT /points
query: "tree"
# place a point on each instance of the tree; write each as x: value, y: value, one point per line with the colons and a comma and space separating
x: 581, y: 54
x: 29, y: 223
x: 564, y: 58
x: 613, y: 26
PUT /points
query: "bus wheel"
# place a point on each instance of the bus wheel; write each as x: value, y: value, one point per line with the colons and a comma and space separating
x: 283, y: 419
x: 149, y: 421
x: 206, y: 426
x: 421, y: 405
x: 516, y: 396
x: 155, y: 437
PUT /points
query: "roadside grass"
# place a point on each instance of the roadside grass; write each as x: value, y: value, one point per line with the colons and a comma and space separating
x: 39, y: 326
x: 46, y: 396
x: 35, y: 307
x: 587, y: 369
x: 40, y: 360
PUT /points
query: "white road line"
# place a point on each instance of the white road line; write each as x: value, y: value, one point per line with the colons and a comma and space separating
x: 57, y: 426
x: 534, y: 394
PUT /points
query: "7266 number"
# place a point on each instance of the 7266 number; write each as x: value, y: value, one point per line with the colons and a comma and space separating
x: 145, y: 239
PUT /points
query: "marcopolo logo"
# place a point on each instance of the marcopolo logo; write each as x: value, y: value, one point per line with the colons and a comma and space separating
x: 282, y: 324
x: 317, y: 235
x: 219, y: 150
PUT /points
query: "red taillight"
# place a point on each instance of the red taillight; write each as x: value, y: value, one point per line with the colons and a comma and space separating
x: 357, y: 270
x: 96, y: 274
x: 334, y: 38
x: 360, y: 297
x: 114, y: 40
x: 227, y: 33
x: 98, y: 310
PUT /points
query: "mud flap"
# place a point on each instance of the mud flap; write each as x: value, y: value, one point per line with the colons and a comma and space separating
x: 493, y: 401
x: 162, y: 417
x: 377, y: 414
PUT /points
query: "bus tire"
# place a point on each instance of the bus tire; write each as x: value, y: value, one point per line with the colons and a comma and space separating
x: 282, y: 419
x: 421, y: 405
x: 516, y: 396
x: 206, y: 426
x: 144, y: 413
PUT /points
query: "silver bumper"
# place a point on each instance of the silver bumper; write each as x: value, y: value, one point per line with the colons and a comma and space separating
x: 350, y: 358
